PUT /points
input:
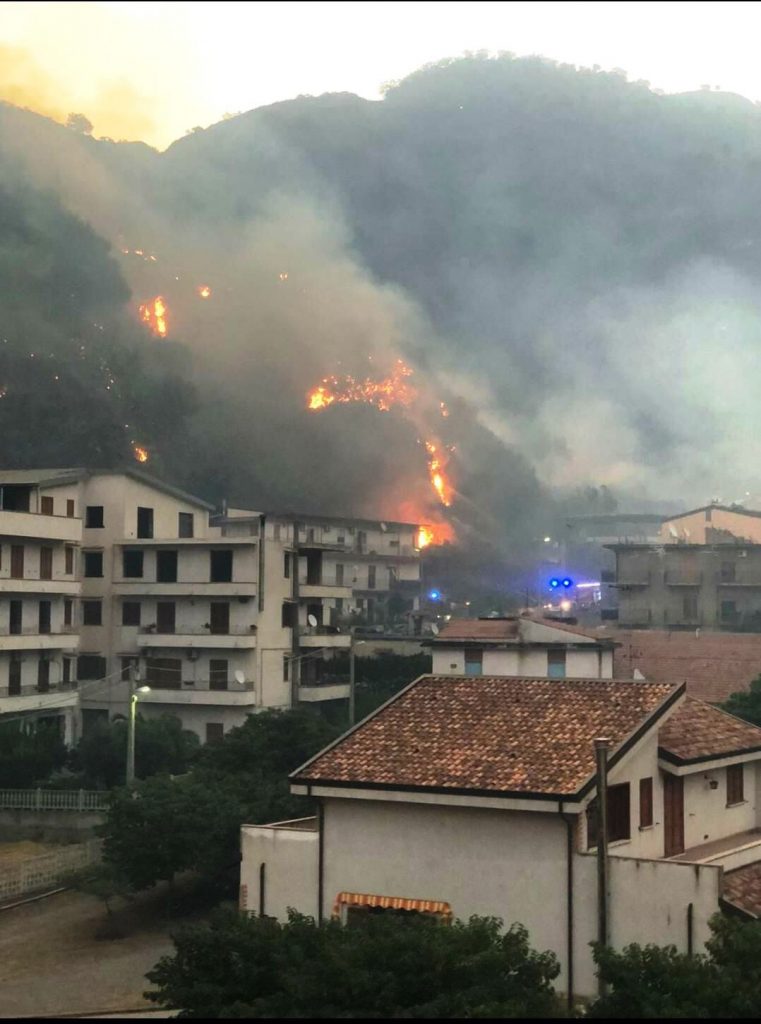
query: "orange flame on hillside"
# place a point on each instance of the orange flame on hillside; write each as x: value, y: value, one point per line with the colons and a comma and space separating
x: 203, y: 291
x: 154, y: 313
x: 391, y: 390
x: 437, y: 461
x: 140, y: 453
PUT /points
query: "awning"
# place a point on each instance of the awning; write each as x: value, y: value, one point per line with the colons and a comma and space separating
x: 360, y: 899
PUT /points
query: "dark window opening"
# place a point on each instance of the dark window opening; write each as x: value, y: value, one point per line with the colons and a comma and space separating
x: 165, y: 673
x: 165, y: 616
x: 218, y: 674
x: 66, y: 668
x: 93, y: 564
x: 94, y: 517
x: 166, y: 566
x: 619, y: 820
x: 91, y: 666
x: 219, y: 618
x: 17, y: 561
x: 46, y: 563
x: 43, y: 675
x: 68, y: 608
x: 132, y: 564
x: 69, y: 561
x: 288, y: 615
x: 314, y: 568
x: 286, y: 668
x: 131, y: 613
x: 287, y: 565
x: 44, y: 617
x: 215, y: 732
x: 185, y: 524
x: 46, y: 505
x: 15, y: 497
x: 371, y: 570
x: 145, y: 523
x: 92, y: 614
x: 70, y: 508
x: 645, y: 803
x: 728, y: 572
x: 221, y: 566
x: 735, y: 778
x: 14, y: 678
x: 16, y: 609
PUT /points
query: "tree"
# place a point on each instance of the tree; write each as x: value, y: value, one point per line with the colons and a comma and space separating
x: 243, y: 966
x: 29, y: 753
x: 650, y: 982
x: 746, y: 705
x: 161, y: 745
x: 79, y: 123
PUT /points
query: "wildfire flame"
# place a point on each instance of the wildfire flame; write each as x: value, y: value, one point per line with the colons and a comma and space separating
x: 434, y: 533
x: 391, y: 390
x: 154, y: 313
x: 437, y: 460
x: 140, y: 453
x: 204, y: 291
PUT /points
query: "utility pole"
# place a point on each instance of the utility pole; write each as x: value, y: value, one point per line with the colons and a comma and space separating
x: 133, y: 678
x: 601, y: 757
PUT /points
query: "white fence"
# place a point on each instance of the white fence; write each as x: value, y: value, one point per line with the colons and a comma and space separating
x: 53, y: 800
x: 43, y: 872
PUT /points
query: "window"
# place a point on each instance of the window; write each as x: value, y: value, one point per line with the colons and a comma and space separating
x: 185, y: 524
x: 66, y: 669
x: 92, y: 613
x: 165, y: 673
x: 371, y: 577
x: 70, y: 508
x: 474, y: 663
x: 645, y: 803
x: 727, y: 572
x: 286, y: 668
x: 556, y: 664
x: 17, y: 561
x: 166, y: 566
x: 91, y: 666
x: 165, y: 616
x: 221, y: 567
x: 310, y: 535
x: 276, y: 531
x: 728, y: 611
x: 145, y: 523
x: 735, y: 785
x: 219, y: 618
x: 93, y: 564
x: 43, y: 617
x: 339, y: 575
x: 68, y: 607
x: 215, y: 732
x: 218, y: 674
x: 94, y: 517
x: 16, y: 617
x: 126, y: 662
x: 46, y: 563
x: 14, y: 678
x: 288, y: 614
x: 46, y: 505
x: 619, y: 823
x: 287, y: 565
x: 43, y: 675
x: 131, y: 613
x: 132, y: 563
x: 69, y: 561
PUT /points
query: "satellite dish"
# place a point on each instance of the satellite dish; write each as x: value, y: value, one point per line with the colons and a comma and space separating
x: 312, y: 620
x: 239, y: 677
x: 434, y: 629
x: 383, y: 527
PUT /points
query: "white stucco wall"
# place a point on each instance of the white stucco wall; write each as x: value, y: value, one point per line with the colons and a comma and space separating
x: 706, y: 814
x: 290, y: 863
x: 524, y: 661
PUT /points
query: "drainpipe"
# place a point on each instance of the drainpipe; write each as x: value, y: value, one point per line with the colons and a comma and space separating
x: 570, y: 821
x: 601, y: 756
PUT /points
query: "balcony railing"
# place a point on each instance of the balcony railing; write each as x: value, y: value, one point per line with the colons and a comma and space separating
x: 34, y: 690
x: 321, y: 631
x: 325, y: 580
x: 683, y: 578
x: 181, y: 630
x: 629, y: 579
x: 36, y: 631
x: 225, y: 685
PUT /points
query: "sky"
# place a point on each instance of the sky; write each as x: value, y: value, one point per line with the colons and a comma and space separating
x: 152, y: 71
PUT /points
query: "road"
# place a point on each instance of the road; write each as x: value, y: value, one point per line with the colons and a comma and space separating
x: 51, y: 963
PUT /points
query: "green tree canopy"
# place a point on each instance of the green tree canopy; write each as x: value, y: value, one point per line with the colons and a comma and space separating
x: 744, y: 704
x: 242, y: 966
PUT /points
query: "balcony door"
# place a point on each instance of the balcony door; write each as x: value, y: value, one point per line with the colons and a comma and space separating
x: 17, y: 561
x: 219, y: 617
x: 15, y: 617
x: 43, y: 618
x: 165, y: 617
x: 673, y: 815
x: 14, y: 678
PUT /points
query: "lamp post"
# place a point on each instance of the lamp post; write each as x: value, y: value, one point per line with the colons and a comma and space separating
x: 134, y: 677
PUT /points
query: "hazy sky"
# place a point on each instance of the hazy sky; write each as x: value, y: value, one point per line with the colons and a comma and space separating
x: 152, y: 70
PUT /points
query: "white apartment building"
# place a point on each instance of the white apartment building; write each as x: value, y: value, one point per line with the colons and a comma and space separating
x: 40, y: 534
x: 221, y: 615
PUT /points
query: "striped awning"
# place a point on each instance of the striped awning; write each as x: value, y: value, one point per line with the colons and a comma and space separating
x: 361, y: 899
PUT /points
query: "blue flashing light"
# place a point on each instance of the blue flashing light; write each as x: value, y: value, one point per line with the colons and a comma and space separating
x: 554, y: 583
x: 434, y: 595
x: 567, y: 582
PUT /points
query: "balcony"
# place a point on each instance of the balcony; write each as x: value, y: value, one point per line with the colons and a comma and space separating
x: 147, y: 588
x: 731, y: 852
x: 59, y: 695
x: 66, y: 587
x: 34, y: 526
x: 240, y: 638
x: 29, y: 638
x: 323, y: 636
x: 186, y: 542
x: 324, y: 691
x: 633, y: 617
x: 631, y: 580
x: 683, y: 578
x: 325, y: 587
x: 201, y: 692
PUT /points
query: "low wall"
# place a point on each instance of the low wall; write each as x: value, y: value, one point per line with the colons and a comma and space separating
x: 279, y: 868
x: 44, y: 872
x: 49, y: 826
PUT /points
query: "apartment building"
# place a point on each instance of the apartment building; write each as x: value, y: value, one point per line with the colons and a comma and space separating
x: 689, y: 586
x: 40, y: 535
x: 220, y: 615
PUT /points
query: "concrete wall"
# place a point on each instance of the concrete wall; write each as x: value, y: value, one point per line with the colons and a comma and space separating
x: 580, y: 664
x: 699, y: 523
x: 290, y: 863
x: 195, y: 717
x: 706, y: 814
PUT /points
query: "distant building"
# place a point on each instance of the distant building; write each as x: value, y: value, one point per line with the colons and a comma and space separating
x: 524, y: 646
x: 477, y: 795
x: 222, y: 615
x: 713, y: 524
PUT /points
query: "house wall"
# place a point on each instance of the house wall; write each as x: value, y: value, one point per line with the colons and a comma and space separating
x: 195, y: 717
x: 290, y: 872
x: 697, y: 525
x: 706, y: 814
x: 580, y: 664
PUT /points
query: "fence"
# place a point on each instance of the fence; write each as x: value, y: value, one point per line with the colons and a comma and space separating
x: 43, y: 872
x: 53, y: 800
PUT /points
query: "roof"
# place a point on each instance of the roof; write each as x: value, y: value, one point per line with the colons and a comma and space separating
x: 742, y: 888
x: 59, y: 477
x: 480, y: 629
x: 714, y: 665
x: 509, y: 630
x: 317, y: 517
x: 737, y: 509
x: 699, y: 732
x: 476, y: 735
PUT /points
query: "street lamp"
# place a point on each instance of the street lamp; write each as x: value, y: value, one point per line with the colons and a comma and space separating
x: 134, y: 677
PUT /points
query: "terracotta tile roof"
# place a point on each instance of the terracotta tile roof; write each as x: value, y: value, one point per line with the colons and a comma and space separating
x: 714, y: 665
x: 479, y: 629
x: 490, y: 734
x: 742, y: 888
x: 697, y: 732
x: 566, y: 627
